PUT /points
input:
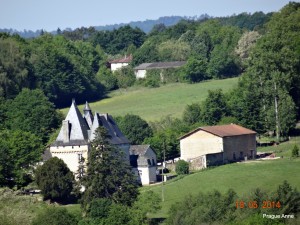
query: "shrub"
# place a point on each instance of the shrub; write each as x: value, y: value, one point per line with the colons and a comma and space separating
x: 182, y: 167
x: 153, y: 78
x: 99, y: 208
x: 55, y: 179
x: 54, y: 216
x: 295, y: 151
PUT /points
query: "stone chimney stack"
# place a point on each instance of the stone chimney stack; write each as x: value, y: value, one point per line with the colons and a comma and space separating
x: 66, y: 131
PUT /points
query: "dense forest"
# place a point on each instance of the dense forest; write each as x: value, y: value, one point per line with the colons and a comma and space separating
x: 42, y: 74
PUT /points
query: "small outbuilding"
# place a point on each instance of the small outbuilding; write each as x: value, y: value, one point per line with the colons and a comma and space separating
x: 143, y: 162
x: 119, y: 63
x: 141, y: 70
x: 215, y: 145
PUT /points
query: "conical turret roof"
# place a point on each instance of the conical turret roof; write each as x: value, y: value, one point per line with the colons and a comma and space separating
x: 78, y: 129
x: 87, y: 107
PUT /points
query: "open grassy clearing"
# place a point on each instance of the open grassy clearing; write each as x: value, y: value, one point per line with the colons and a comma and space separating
x: 154, y: 103
x: 242, y: 177
x: 19, y: 209
x: 283, y: 149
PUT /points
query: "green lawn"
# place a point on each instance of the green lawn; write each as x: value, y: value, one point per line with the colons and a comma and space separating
x: 154, y: 103
x: 283, y: 149
x: 242, y: 177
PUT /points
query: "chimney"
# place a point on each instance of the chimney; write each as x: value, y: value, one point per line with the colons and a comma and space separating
x: 66, y: 131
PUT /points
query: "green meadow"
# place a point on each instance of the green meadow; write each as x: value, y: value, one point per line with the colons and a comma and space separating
x: 242, y: 177
x: 154, y: 103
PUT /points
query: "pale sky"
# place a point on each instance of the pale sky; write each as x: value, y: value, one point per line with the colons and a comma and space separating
x: 51, y: 14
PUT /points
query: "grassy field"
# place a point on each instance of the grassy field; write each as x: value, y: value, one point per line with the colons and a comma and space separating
x: 154, y: 103
x: 283, y: 149
x: 242, y: 177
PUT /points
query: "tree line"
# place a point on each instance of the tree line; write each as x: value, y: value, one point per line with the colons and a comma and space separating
x: 73, y: 63
x: 55, y: 69
x: 266, y: 98
x: 229, y: 208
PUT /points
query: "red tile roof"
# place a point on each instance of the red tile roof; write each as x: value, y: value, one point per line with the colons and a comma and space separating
x: 223, y: 130
x: 126, y: 59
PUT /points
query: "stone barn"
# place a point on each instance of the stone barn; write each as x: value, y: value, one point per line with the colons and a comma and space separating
x: 215, y: 145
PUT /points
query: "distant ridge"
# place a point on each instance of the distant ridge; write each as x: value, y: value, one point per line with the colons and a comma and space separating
x: 146, y: 25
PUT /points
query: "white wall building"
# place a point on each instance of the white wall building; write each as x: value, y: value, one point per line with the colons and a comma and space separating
x: 143, y: 162
x: 73, y: 140
x: 77, y: 131
x: 119, y: 63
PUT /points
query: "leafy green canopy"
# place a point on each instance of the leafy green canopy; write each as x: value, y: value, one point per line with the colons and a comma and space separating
x: 14, y: 67
x: 134, y: 128
x: 268, y: 93
x: 19, y: 150
x: 55, y: 216
x: 32, y: 112
x: 216, y: 208
x: 118, y: 40
x: 182, y: 167
x: 54, y: 179
x: 104, y: 211
x: 64, y: 69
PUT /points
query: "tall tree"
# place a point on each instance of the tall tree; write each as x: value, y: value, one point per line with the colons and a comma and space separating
x: 273, y: 72
x: 31, y: 111
x: 135, y: 128
x: 64, y: 69
x: 19, y: 151
x: 14, y: 73
x: 6, y: 164
x: 55, y: 179
x: 192, y: 114
x: 214, y: 107
x: 109, y: 174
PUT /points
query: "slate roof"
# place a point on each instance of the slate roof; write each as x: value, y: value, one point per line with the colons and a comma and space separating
x: 160, y: 65
x: 87, y: 107
x: 143, y: 66
x: 82, y: 128
x: 87, y: 115
x: 117, y: 137
x: 138, y: 149
x: 137, y: 155
x: 223, y: 130
x: 78, y: 129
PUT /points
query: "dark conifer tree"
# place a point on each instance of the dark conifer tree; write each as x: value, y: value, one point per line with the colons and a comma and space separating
x: 109, y: 174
